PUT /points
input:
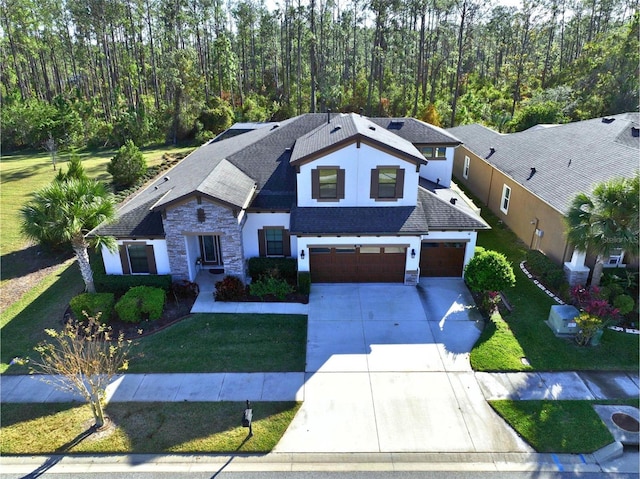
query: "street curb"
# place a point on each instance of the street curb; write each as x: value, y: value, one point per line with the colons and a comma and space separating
x: 286, y: 462
x: 607, y: 453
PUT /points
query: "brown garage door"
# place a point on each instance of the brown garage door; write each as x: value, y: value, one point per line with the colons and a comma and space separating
x: 442, y: 259
x: 367, y: 264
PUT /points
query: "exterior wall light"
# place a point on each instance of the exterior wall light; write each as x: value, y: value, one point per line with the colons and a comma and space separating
x: 413, y: 253
x: 301, y: 254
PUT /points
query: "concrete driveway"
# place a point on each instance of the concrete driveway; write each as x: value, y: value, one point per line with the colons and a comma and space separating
x: 388, y: 371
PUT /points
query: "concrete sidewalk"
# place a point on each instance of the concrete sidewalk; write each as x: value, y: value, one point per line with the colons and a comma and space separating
x: 212, y: 387
x: 209, y: 387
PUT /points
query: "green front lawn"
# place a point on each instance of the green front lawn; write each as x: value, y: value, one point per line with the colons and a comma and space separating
x: 524, y: 334
x: 224, y: 343
x: 565, y: 427
x: 186, y: 427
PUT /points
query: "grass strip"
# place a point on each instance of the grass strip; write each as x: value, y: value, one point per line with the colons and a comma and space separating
x: 225, y: 343
x: 523, y: 333
x: 185, y: 427
x: 564, y: 427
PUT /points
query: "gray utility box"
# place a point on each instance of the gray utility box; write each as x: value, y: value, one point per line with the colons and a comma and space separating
x: 562, y: 319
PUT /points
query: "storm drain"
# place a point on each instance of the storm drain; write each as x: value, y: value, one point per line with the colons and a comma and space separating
x: 622, y: 421
x: 625, y: 422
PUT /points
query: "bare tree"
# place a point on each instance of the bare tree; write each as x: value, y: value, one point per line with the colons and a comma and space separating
x: 83, y: 357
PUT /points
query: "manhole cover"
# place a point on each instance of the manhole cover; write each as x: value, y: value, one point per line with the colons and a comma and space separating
x: 626, y: 422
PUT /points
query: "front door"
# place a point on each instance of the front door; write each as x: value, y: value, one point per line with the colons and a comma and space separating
x: 210, y: 251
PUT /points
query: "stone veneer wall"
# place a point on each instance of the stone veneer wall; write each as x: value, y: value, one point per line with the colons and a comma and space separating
x: 182, y: 221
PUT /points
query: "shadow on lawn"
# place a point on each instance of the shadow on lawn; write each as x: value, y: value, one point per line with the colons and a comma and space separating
x: 59, y: 453
x: 22, y: 332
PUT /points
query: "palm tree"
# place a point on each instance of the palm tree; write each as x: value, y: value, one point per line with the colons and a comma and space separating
x: 605, y: 221
x: 64, y: 212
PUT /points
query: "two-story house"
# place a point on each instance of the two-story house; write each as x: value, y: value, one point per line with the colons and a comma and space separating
x: 353, y: 199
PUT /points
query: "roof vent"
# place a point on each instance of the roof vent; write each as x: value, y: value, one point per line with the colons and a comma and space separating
x: 336, y: 128
x: 492, y: 150
x: 361, y: 111
x: 635, y: 131
x: 328, y: 115
x: 275, y: 126
x: 608, y: 120
x: 396, y: 124
x: 372, y: 128
x: 533, y: 172
x: 166, y: 178
x: 453, y: 200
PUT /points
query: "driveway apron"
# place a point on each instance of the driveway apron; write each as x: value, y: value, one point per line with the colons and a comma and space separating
x: 388, y: 371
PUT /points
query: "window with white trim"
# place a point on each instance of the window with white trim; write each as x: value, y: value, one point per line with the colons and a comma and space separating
x: 465, y: 169
x: 504, y: 201
x: 434, y: 152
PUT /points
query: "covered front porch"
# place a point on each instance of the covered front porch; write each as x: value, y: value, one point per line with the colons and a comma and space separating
x: 206, y: 303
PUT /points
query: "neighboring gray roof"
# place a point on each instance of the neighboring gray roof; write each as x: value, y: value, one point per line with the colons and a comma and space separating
x: 347, y: 128
x: 568, y: 159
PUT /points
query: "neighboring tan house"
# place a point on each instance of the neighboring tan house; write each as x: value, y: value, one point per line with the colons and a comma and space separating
x: 353, y: 199
x: 528, y: 179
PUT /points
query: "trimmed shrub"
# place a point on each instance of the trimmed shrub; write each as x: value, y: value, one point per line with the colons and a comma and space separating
x: 304, y: 282
x: 120, y: 284
x: 230, y: 288
x: 270, y: 285
x: 128, y: 166
x: 141, y: 302
x: 287, y: 268
x: 489, y: 271
x: 92, y: 304
x: 624, y: 303
x: 128, y: 309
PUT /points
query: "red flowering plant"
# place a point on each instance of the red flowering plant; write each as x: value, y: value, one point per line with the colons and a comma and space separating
x: 590, y: 301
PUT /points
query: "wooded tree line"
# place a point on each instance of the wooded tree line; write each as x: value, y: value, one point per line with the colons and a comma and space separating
x: 99, y: 72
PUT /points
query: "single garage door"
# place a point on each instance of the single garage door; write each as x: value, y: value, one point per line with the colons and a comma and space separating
x: 442, y: 259
x: 367, y: 264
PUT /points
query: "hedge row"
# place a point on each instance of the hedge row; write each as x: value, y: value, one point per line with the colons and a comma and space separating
x: 287, y: 268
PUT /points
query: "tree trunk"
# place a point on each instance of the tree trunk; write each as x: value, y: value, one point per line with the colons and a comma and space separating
x: 81, y: 250
x: 597, y: 271
x: 98, y: 411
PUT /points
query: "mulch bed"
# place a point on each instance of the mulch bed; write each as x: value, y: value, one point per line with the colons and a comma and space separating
x: 270, y: 298
x: 175, y: 311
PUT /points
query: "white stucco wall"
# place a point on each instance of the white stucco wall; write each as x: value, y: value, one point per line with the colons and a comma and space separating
x: 469, y: 237
x: 113, y: 265
x: 256, y: 221
x: 410, y: 242
x: 358, y: 163
x: 442, y: 169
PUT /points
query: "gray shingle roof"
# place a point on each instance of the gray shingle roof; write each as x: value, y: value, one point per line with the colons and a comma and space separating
x: 229, y: 170
x: 444, y: 216
x: 359, y: 220
x: 430, y: 214
x: 568, y: 159
x: 417, y: 132
x: 346, y: 128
